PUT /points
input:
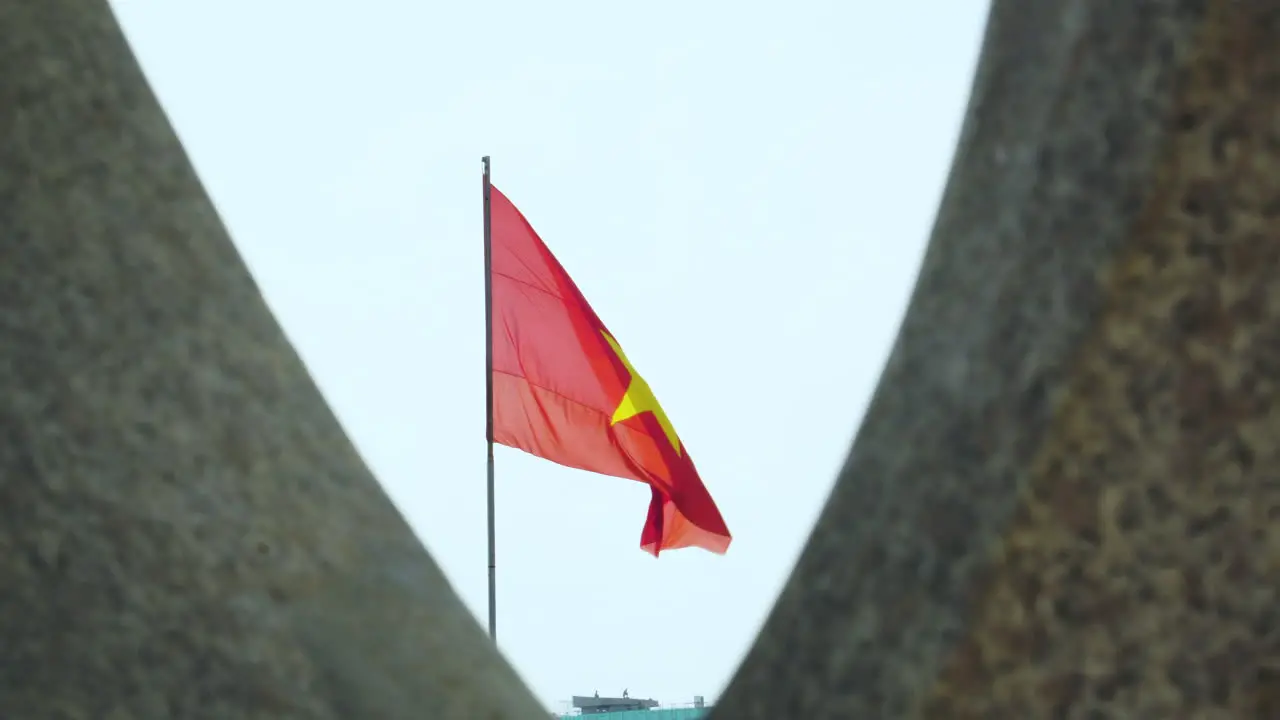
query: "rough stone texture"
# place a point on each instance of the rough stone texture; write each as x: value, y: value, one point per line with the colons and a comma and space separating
x: 1063, y: 501
x: 185, y: 532
x: 1061, y: 504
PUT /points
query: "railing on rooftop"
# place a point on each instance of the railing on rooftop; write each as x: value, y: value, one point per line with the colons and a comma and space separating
x: 666, y: 712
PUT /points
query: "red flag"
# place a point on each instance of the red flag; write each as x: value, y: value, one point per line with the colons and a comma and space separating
x: 563, y: 390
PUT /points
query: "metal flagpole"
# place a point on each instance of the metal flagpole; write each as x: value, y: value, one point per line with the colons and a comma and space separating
x: 488, y: 400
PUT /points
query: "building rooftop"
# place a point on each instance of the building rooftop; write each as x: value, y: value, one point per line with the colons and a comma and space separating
x: 596, y: 705
x: 629, y: 708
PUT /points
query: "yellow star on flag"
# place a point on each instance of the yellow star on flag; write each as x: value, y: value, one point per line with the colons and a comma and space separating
x: 639, y: 398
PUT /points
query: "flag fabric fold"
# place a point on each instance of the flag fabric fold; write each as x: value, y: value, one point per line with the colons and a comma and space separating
x: 564, y: 390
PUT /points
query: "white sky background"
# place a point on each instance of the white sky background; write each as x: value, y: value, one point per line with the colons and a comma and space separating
x: 742, y: 191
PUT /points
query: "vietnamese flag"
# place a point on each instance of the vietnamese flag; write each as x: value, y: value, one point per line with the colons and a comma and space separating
x: 563, y: 390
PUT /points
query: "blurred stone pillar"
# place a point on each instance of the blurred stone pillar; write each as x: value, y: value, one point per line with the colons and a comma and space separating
x: 1063, y: 501
x: 185, y: 532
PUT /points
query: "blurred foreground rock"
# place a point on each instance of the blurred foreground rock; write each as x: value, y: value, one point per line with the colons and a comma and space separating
x: 185, y: 532
x: 1060, y: 505
x: 1063, y: 500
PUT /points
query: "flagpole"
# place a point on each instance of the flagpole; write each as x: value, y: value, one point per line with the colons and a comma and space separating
x: 488, y: 402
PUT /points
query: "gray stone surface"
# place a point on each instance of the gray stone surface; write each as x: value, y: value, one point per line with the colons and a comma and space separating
x: 185, y: 532
x: 1061, y: 503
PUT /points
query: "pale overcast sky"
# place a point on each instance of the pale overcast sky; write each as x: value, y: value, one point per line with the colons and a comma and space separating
x: 742, y: 190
